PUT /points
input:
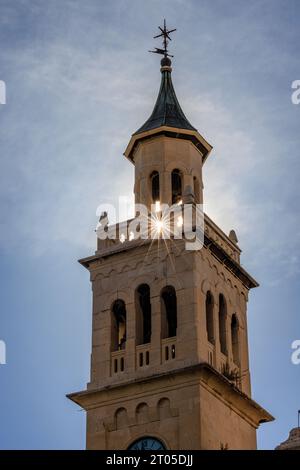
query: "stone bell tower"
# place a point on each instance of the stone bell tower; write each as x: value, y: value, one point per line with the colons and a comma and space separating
x: 169, y: 362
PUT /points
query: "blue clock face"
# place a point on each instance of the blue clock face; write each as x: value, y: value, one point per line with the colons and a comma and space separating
x: 147, y: 443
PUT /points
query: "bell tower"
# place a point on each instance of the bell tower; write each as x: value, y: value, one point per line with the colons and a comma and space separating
x: 169, y: 362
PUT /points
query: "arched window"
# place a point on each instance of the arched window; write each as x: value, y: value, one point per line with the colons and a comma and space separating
x: 176, y: 186
x: 196, y: 190
x: 143, y: 314
x: 209, y: 308
x: 118, y: 332
x: 168, y: 312
x: 235, y: 339
x: 222, y: 324
x: 155, y: 186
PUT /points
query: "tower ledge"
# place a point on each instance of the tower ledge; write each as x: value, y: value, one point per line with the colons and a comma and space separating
x: 201, y: 373
x: 215, y: 240
x: 193, y: 135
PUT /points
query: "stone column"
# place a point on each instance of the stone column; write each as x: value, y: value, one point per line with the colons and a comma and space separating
x: 201, y: 325
x: 130, y: 338
x: 144, y: 192
x: 187, y: 327
x: 155, y: 348
x: 101, y: 347
x: 244, y: 357
x: 217, y: 333
x: 166, y: 190
x: 187, y: 180
x: 228, y: 338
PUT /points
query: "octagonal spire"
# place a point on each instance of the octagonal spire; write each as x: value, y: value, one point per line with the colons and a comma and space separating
x: 167, y: 110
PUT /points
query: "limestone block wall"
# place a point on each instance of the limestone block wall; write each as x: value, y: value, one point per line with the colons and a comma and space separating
x: 165, y: 410
x: 184, y: 411
x: 223, y: 425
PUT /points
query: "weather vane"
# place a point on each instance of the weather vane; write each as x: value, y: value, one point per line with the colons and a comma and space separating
x: 166, y: 38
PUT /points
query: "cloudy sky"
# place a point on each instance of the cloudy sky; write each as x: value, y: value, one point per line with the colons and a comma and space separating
x: 79, y: 83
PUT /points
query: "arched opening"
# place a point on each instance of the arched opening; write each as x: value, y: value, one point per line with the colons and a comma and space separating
x: 196, y: 190
x: 155, y: 192
x: 121, y: 419
x: 209, y: 308
x: 118, y: 331
x: 163, y: 407
x: 222, y: 324
x: 176, y: 186
x: 143, y: 314
x: 142, y: 413
x: 168, y: 312
x: 235, y: 339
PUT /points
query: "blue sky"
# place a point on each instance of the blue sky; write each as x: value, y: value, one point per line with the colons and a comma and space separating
x: 79, y: 82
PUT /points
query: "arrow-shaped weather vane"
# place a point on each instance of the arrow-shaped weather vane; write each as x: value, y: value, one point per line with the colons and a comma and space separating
x: 165, y: 34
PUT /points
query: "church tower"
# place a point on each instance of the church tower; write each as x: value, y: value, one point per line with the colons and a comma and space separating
x: 169, y: 362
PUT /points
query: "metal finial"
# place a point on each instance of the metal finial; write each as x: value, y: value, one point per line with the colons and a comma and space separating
x: 165, y: 34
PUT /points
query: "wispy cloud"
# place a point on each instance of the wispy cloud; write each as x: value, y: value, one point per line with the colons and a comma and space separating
x: 79, y: 82
x: 76, y: 106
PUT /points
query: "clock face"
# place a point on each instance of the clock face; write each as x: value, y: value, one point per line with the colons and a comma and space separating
x: 147, y: 443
